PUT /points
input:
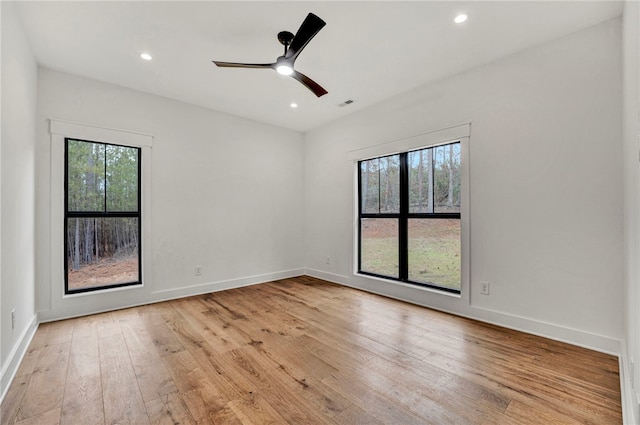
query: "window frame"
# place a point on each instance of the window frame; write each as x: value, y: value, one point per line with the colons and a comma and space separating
x: 403, y: 216
x: 101, y: 214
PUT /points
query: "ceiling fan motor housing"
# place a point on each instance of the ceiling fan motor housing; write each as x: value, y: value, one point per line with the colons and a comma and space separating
x: 285, y: 38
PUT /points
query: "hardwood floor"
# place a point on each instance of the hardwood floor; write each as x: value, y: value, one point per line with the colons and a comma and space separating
x: 303, y: 351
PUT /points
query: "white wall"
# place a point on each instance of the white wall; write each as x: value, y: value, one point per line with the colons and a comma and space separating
x: 235, y: 197
x: 17, y: 153
x: 225, y: 193
x: 631, y: 166
x: 545, y: 191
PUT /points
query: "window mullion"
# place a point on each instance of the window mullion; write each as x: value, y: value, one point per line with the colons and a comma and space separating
x: 431, y: 201
x: 379, y: 187
x: 403, y: 247
x: 360, y: 216
x: 105, y: 179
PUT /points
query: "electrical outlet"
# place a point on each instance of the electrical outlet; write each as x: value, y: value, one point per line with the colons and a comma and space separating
x: 484, y: 288
x: 13, y: 319
x: 198, y: 270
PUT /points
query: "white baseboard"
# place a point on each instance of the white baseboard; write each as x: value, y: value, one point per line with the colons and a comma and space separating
x: 628, y: 394
x: 204, y: 288
x: 630, y: 401
x: 172, y: 294
x: 17, y: 354
x: 553, y: 331
x: 331, y: 277
x: 10, y: 368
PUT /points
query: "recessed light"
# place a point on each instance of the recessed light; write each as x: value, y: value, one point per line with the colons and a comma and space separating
x: 146, y: 56
x: 460, y: 18
x: 294, y: 105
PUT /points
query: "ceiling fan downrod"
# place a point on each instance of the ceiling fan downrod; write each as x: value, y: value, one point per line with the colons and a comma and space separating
x: 285, y: 38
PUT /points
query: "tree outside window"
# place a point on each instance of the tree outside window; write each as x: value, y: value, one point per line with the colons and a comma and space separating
x: 102, y: 216
x: 409, y: 213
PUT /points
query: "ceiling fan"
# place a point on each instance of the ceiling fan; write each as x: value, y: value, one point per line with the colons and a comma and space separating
x: 293, y: 45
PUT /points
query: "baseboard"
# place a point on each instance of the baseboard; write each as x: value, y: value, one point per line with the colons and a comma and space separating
x: 15, y: 357
x: 553, y: 331
x: 627, y: 393
x: 577, y: 337
x: 172, y: 294
x: 204, y: 288
x: 10, y: 368
x: 596, y: 342
x: 331, y: 277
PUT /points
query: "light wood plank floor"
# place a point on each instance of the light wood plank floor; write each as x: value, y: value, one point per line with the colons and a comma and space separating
x: 303, y: 351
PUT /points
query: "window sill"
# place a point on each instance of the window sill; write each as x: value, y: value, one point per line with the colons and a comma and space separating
x: 411, y: 286
x: 103, y: 291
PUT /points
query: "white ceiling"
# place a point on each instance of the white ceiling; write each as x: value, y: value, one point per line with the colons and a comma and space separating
x: 368, y: 51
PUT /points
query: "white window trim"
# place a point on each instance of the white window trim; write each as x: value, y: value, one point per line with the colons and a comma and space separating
x: 424, y: 140
x: 433, y: 138
x: 99, y: 134
x: 60, y: 130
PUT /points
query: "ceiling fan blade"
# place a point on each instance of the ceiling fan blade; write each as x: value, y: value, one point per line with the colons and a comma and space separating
x: 309, y: 83
x: 242, y: 65
x: 309, y: 28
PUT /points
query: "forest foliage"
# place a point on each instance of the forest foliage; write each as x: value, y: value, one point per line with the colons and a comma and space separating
x: 434, y: 181
x: 102, y: 190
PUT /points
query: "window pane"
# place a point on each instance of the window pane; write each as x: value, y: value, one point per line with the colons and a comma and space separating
x: 122, y: 178
x: 420, y: 181
x: 380, y: 185
x: 370, y: 186
x: 434, y: 179
x: 447, y: 178
x: 390, y: 184
x: 434, y: 252
x: 85, y: 176
x: 102, y: 251
x: 379, y: 246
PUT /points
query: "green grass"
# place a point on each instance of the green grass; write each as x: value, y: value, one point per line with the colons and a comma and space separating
x: 380, y: 256
x: 434, y: 253
x: 435, y: 261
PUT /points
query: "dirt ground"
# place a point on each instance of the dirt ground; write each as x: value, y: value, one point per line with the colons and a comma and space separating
x: 106, y: 272
x: 386, y: 228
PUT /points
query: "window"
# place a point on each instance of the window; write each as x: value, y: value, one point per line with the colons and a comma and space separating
x: 102, y: 223
x: 409, y: 217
